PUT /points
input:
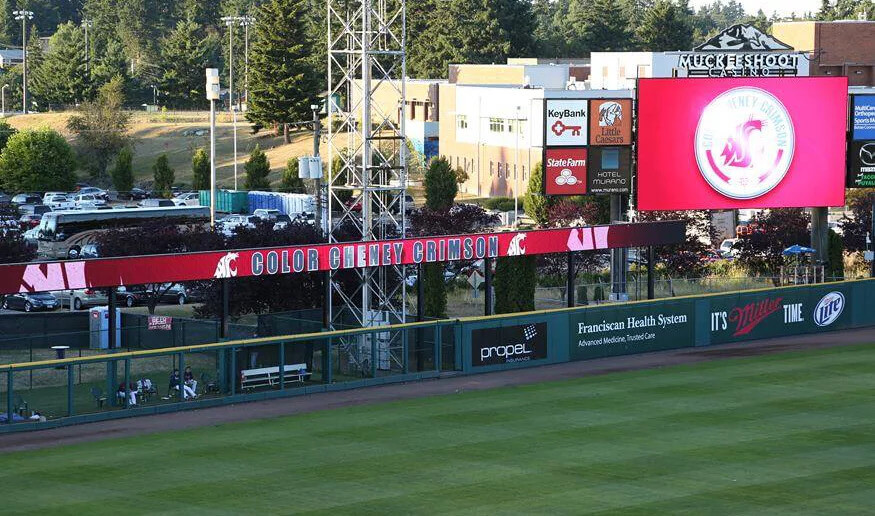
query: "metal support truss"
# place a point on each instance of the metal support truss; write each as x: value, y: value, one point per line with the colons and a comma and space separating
x: 366, y: 53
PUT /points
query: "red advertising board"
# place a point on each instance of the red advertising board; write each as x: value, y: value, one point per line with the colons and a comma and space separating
x: 565, y: 171
x: 741, y: 142
x: 138, y: 270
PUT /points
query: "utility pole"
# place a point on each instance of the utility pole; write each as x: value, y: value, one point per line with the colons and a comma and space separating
x: 3, y: 95
x: 230, y: 21
x: 213, y: 95
x: 246, y: 21
x: 86, y: 23
x: 23, y: 16
x: 317, y: 134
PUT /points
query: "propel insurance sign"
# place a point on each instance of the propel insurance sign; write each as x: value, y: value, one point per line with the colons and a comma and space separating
x: 508, y: 344
x: 566, y: 123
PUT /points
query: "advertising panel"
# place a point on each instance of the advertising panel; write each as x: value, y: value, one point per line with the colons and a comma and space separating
x: 160, y: 322
x: 778, y: 313
x: 611, y: 122
x: 171, y: 268
x: 565, y: 122
x: 565, y: 171
x: 609, y: 170
x: 861, y: 164
x: 863, y: 121
x: 602, y: 332
x: 741, y: 143
x: 508, y: 344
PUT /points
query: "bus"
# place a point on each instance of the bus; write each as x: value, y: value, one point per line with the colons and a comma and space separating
x: 63, y: 234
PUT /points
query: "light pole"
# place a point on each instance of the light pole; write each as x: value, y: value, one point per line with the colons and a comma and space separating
x: 317, y: 134
x: 246, y: 21
x: 516, y: 173
x: 3, y: 96
x: 23, y: 16
x: 212, y: 96
x: 230, y: 21
x: 154, y: 95
x: 86, y: 23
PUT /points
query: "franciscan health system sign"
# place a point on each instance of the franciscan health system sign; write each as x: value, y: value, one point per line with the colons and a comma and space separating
x: 741, y: 143
x: 138, y: 270
x: 566, y: 122
x: 509, y: 344
x: 565, y: 171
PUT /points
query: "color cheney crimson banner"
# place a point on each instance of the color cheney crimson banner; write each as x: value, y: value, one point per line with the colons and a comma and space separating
x: 565, y: 171
x: 138, y: 270
x: 741, y: 143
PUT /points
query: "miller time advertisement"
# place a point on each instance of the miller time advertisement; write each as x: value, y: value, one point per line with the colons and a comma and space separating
x: 606, y: 332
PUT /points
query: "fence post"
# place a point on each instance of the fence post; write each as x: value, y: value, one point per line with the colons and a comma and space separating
x: 373, y: 337
x: 222, y: 370
x: 233, y: 372
x: 127, y: 383
x: 326, y: 362
x: 405, y: 350
x: 282, y: 353
x: 9, y: 396
x: 569, y: 285
x: 651, y: 265
x: 420, y: 293
x: 181, y: 376
x: 69, y: 389
x: 226, y: 295
x: 487, y: 273
x: 438, y: 340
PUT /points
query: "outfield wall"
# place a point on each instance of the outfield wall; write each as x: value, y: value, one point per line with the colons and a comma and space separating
x: 538, y: 338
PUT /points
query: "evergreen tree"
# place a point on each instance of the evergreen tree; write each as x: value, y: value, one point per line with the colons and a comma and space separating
x: 598, y: 25
x: 35, y: 59
x: 6, y: 132
x: 257, y: 169
x: 37, y: 161
x: 284, y: 80
x: 123, y: 172
x: 515, y: 280
x: 185, y: 53
x: 441, y: 187
x: 290, y: 182
x: 535, y: 203
x: 163, y: 176
x: 61, y: 79
x: 112, y: 63
x: 666, y: 27
x: 435, y: 301
x: 200, y: 168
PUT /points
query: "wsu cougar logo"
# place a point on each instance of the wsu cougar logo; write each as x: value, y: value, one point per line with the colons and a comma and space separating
x: 744, y: 143
x: 516, y: 247
x: 227, y: 266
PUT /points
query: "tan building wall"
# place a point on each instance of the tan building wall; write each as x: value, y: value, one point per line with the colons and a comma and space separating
x: 487, y: 74
x: 838, y: 48
x: 422, y: 100
x: 490, y: 168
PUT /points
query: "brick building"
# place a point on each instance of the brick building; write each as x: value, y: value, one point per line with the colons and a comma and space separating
x: 845, y: 47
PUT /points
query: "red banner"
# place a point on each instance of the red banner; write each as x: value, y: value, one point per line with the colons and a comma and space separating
x: 139, y: 270
x: 160, y: 322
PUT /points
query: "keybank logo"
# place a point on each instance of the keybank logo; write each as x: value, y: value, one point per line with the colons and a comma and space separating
x: 829, y: 308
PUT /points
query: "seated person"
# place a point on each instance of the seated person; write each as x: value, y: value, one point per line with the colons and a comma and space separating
x: 188, y: 378
x: 176, y: 381
x: 132, y: 393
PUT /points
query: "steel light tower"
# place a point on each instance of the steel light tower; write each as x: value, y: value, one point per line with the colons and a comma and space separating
x: 86, y: 24
x: 23, y: 16
x: 366, y: 52
x: 246, y: 21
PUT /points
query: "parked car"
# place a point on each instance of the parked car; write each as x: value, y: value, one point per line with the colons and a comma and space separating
x: 187, y: 199
x: 27, y: 199
x: 96, y: 192
x: 31, y: 237
x: 156, y: 203
x: 137, y: 294
x: 5, y: 198
x: 30, y: 302
x: 81, y: 298
x: 89, y: 251
x: 228, y: 225
x: 727, y: 247
x: 60, y: 202
x: 48, y: 195
x: 90, y: 206
x: 87, y: 199
x: 267, y: 214
x: 80, y: 186
x: 136, y: 194
x: 34, y: 209
x: 29, y: 221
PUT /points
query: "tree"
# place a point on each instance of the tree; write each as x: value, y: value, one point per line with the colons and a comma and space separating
x: 284, y: 78
x: 290, y: 181
x: 666, y: 26
x: 61, y: 78
x: 515, y: 280
x: 859, y: 224
x: 835, y: 257
x: 6, y: 132
x: 13, y: 248
x: 535, y: 203
x: 37, y: 161
x: 686, y: 259
x: 257, y: 169
x: 775, y: 230
x: 163, y: 175
x: 102, y: 127
x: 184, y: 54
x: 123, y: 173
x: 597, y: 25
x: 200, y: 168
x: 441, y: 185
x: 342, y: 178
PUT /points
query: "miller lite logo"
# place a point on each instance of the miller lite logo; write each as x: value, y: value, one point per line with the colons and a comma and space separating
x: 744, y: 143
x: 227, y: 266
x: 829, y: 308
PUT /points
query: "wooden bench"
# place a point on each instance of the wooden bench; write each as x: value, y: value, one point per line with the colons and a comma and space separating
x: 270, y: 376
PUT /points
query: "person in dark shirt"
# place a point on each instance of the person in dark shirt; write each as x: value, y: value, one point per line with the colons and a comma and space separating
x: 132, y: 393
x: 176, y: 381
x: 188, y: 378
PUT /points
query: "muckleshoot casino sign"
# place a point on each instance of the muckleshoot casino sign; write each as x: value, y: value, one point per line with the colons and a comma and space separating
x: 741, y: 51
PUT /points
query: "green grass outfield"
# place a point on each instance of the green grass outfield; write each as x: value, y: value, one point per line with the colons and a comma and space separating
x: 785, y: 433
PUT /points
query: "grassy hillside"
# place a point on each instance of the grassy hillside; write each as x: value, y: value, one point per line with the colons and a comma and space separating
x: 781, y: 434
x: 176, y: 134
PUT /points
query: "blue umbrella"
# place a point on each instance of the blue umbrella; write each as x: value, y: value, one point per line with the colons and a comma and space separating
x: 797, y: 249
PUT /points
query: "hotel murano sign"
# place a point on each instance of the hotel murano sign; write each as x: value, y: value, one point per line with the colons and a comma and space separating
x: 742, y: 51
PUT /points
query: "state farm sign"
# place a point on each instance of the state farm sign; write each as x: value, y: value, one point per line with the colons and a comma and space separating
x: 565, y: 171
x: 566, y: 122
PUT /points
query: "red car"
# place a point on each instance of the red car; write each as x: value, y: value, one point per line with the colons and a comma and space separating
x: 29, y: 221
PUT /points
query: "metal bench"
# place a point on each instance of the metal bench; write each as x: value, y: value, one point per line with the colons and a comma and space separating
x: 270, y: 376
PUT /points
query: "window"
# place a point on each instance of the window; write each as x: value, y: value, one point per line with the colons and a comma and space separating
x: 499, y: 170
x: 524, y: 172
x: 490, y: 168
x: 496, y: 125
x: 622, y: 72
x: 610, y: 159
x: 462, y: 121
x: 643, y: 71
